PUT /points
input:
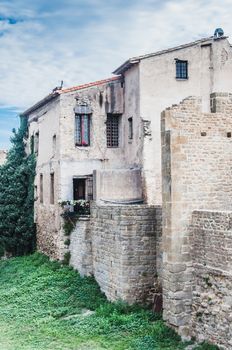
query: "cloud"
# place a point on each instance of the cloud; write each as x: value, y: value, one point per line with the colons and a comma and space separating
x: 84, y: 40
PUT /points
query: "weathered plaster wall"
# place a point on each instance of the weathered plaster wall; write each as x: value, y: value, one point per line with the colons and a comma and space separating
x: 120, y: 96
x: 80, y: 161
x: 45, y: 121
x: 122, y: 242
x: 209, y: 69
x: 133, y: 148
x: 3, y: 155
x: 196, y: 167
x: 119, y: 185
x: 212, y: 261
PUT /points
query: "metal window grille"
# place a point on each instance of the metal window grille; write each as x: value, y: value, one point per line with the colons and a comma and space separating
x: 82, y: 129
x: 112, y: 131
x: 181, y: 69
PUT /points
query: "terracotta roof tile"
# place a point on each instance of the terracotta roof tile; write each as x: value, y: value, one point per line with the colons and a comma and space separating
x: 84, y: 86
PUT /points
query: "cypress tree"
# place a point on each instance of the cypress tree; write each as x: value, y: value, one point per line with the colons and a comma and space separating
x: 17, y: 229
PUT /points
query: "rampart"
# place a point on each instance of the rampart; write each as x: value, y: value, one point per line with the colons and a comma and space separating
x: 120, y: 246
x: 212, y: 262
x: 196, y: 170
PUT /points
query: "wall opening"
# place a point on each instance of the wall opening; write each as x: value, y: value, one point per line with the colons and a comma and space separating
x: 41, y: 188
x: 83, y: 187
x: 52, y: 189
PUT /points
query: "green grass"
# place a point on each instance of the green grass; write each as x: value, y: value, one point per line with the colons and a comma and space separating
x: 44, y: 305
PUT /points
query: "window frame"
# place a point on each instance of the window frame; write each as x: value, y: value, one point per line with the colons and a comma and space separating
x: 82, y: 142
x: 181, y: 73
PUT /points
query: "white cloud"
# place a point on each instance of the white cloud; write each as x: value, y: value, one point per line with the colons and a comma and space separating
x: 80, y: 41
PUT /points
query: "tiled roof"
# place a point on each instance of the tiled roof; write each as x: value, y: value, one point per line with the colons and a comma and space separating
x: 84, y: 86
x: 58, y: 92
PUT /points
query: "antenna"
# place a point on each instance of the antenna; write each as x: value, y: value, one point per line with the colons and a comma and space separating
x: 58, y: 87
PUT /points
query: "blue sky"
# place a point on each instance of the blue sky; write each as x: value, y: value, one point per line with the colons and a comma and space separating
x: 44, y: 42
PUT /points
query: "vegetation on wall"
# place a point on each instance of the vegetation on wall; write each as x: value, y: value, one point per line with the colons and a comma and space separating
x: 17, y: 229
x: 72, y: 210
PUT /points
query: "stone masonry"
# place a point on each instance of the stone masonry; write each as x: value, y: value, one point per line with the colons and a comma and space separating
x: 123, y: 247
x: 196, y: 168
x: 212, y: 261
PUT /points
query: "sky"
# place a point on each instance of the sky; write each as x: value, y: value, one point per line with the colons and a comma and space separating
x: 43, y: 42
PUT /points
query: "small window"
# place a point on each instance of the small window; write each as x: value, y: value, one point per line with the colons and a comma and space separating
x: 52, y: 189
x: 112, y: 130
x: 41, y: 188
x: 82, y: 129
x: 32, y: 144
x: 54, y: 145
x: 181, y: 69
x: 36, y: 143
x: 130, y: 124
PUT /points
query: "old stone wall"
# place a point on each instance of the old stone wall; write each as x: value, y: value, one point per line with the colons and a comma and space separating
x: 48, y: 232
x: 196, y: 168
x: 81, y: 247
x: 44, y: 128
x: 212, y: 261
x: 122, y: 243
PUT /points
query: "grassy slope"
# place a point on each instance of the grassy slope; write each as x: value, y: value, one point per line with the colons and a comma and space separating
x: 43, y: 306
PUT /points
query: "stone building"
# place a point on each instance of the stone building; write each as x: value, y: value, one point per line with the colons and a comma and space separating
x: 102, y: 142
x: 3, y: 155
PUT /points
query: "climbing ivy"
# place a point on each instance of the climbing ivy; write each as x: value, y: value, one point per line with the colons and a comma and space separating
x: 17, y: 229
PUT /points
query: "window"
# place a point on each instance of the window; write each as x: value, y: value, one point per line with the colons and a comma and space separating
x: 52, y: 190
x: 130, y: 121
x: 112, y: 130
x: 32, y: 144
x: 82, y: 129
x: 83, y: 188
x: 181, y: 69
x: 36, y: 143
x: 54, y: 145
x: 41, y: 188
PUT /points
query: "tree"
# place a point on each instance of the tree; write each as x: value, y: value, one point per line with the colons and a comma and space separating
x: 17, y: 228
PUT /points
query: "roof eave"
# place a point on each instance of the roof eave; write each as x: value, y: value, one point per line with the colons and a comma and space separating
x: 40, y: 104
x: 125, y: 66
x: 131, y: 61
